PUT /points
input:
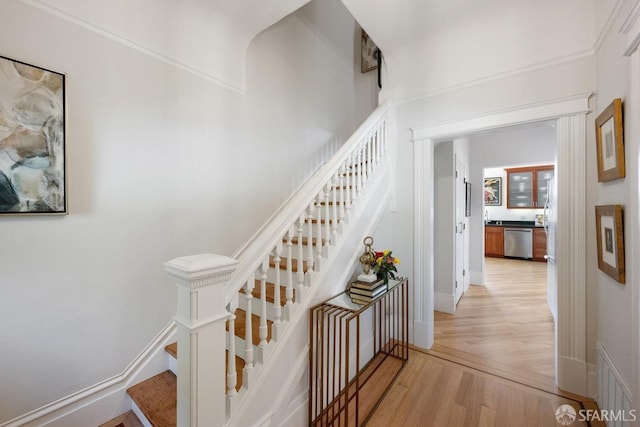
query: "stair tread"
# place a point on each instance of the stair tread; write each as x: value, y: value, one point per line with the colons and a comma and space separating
x: 240, y: 326
x: 283, y: 264
x: 305, y: 241
x: 128, y: 419
x: 157, y: 398
x: 270, y: 292
x: 173, y: 350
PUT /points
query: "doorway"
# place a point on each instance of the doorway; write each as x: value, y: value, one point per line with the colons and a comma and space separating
x: 570, y: 114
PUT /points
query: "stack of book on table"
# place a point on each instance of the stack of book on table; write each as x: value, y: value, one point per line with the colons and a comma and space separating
x: 364, y: 292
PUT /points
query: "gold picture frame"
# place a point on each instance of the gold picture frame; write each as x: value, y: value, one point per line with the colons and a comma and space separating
x: 610, y: 237
x: 610, y: 142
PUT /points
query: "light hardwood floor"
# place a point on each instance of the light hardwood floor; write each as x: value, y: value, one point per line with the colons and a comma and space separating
x: 492, y: 363
x: 505, y: 326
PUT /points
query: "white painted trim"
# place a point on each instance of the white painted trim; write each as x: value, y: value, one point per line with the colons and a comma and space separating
x: 423, y: 212
x: 631, y: 28
x: 444, y: 303
x: 571, y: 253
x: 105, y: 390
x: 571, y: 112
x: 477, y: 277
x: 546, y: 110
x: 608, y: 24
x: 133, y: 45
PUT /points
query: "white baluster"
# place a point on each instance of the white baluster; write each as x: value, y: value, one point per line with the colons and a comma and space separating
x: 369, y: 155
x: 264, y: 329
x: 277, y: 311
x: 341, y: 184
x: 359, y: 172
x: 300, y: 257
x: 319, y: 250
x: 248, y: 333
x: 232, y: 379
x: 289, y: 290
x: 327, y: 218
x: 334, y: 210
x: 310, y: 213
x: 349, y: 183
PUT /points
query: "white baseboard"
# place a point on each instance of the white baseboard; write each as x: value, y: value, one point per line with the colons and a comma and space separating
x: 423, y: 334
x: 105, y: 400
x: 476, y: 277
x: 572, y: 375
x: 444, y: 302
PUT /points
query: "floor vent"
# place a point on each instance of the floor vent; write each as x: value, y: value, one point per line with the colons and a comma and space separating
x: 613, y: 394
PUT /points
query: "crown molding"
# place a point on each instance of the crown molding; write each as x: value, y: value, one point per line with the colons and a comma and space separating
x: 631, y: 26
x: 136, y: 46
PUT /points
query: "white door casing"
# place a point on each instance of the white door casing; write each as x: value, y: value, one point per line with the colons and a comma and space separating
x: 571, y: 190
x: 460, y: 232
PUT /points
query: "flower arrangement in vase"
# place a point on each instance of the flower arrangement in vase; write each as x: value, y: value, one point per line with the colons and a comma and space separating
x: 385, y: 265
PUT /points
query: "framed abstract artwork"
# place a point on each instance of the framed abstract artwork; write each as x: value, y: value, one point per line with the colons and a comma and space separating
x: 610, y: 238
x: 610, y: 142
x: 32, y: 140
x: 493, y: 191
x: 368, y: 48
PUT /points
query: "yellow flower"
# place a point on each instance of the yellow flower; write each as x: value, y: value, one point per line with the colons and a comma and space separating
x: 386, y: 252
x: 379, y: 261
x: 396, y: 261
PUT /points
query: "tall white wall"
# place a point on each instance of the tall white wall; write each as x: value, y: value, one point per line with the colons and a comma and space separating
x: 161, y: 162
x: 610, y: 304
x: 507, y: 147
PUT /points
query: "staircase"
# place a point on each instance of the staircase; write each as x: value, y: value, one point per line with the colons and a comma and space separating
x: 254, y: 305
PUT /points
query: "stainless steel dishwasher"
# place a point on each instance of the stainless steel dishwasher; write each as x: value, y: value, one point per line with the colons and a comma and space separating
x: 518, y: 243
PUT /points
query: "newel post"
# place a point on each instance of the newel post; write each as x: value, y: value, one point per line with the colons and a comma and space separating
x: 200, y: 319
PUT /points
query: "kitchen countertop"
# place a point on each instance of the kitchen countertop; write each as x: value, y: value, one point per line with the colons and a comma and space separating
x: 514, y: 224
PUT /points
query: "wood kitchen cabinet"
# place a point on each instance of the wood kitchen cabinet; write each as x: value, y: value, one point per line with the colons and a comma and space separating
x: 527, y: 186
x: 494, y: 241
x: 539, y: 244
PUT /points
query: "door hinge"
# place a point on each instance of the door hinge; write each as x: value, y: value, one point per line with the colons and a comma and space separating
x: 464, y: 272
x: 456, y: 174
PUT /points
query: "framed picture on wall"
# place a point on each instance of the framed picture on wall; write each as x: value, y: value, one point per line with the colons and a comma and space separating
x: 610, y: 238
x: 610, y: 142
x: 493, y: 191
x: 32, y: 140
x: 368, y: 60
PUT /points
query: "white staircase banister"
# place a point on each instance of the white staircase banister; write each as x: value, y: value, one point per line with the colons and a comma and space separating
x: 251, y: 255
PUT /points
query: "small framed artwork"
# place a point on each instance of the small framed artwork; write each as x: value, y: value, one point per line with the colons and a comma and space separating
x: 610, y: 238
x: 610, y: 142
x: 493, y: 191
x: 368, y: 48
x: 32, y: 140
x: 467, y: 200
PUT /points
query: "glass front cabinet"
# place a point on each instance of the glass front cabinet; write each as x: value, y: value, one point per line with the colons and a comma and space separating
x: 527, y: 186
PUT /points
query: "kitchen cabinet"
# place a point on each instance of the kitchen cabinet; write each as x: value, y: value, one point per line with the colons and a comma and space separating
x: 494, y: 241
x: 539, y: 244
x: 527, y: 186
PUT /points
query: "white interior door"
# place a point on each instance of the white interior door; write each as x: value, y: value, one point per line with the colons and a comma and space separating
x: 459, y: 262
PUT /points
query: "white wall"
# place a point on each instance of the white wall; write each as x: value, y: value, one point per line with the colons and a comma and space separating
x: 161, y: 163
x: 493, y: 151
x: 610, y: 304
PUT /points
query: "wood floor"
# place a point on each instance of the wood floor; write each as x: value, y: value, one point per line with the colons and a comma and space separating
x: 505, y: 326
x: 492, y: 363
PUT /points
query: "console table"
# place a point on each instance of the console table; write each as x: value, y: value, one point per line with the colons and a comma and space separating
x: 355, y: 354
